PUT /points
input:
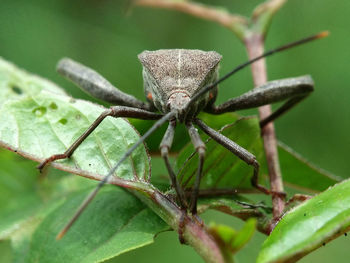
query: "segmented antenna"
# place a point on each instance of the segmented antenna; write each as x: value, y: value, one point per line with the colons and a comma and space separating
x: 266, y: 54
x: 91, y: 196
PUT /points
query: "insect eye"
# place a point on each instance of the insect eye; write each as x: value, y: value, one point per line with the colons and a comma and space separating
x: 149, y: 96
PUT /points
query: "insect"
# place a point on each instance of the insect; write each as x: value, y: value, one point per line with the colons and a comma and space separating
x: 179, y: 84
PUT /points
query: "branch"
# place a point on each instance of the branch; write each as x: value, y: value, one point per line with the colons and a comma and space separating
x: 194, y: 232
x: 235, y: 23
x: 254, y: 43
x: 263, y: 14
x: 255, y: 47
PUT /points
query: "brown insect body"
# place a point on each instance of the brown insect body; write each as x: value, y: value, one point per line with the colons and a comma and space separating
x: 172, y: 77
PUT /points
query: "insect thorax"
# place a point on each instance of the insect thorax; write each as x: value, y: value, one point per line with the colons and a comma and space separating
x: 172, y: 76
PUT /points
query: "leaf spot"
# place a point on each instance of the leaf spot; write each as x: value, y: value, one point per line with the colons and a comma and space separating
x: 39, y: 111
x: 16, y: 89
x: 78, y: 117
x: 63, y: 121
x: 53, y: 106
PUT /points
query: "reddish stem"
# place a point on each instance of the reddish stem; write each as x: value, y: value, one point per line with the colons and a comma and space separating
x: 255, y: 47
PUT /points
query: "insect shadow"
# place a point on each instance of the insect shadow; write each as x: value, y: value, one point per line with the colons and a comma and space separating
x: 179, y: 84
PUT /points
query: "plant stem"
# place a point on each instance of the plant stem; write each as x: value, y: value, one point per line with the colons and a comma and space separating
x: 235, y: 23
x: 195, y: 233
x: 254, y: 43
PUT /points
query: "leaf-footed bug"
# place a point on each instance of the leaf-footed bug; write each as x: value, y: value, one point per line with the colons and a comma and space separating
x: 179, y: 84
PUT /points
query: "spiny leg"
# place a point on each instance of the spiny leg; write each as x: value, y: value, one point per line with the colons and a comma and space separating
x: 200, y: 148
x: 97, y: 86
x: 165, y: 146
x: 116, y: 111
x: 292, y: 89
x: 284, y: 108
x: 239, y: 151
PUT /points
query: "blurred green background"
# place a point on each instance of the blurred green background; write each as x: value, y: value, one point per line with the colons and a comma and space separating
x: 107, y: 35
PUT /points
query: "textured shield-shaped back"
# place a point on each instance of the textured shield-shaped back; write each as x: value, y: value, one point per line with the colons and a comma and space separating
x: 172, y: 70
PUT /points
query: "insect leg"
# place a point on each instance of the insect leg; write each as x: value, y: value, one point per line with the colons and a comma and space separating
x: 88, y: 199
x: 116, y: 111
x: 293, y: 90
x: 165, y: 146
x: 237, y: 150
x: 97, y: 86
x: 200, y: 148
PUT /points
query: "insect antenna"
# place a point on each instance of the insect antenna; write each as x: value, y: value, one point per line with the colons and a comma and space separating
x: 91, y: 196
x: 266, y: 54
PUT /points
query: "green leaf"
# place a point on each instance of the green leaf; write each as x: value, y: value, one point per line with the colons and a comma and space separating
x: 244, y: 235
x: 18, y: 199
x: 299, y: 173
x: 222, y: 169
x: 40, y: 123
x: 16, y: 84
x: 231, y: 239
x: 309, y: 226
x: 25, y: 198
x: 32, y: 210
x: 114, y: 223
